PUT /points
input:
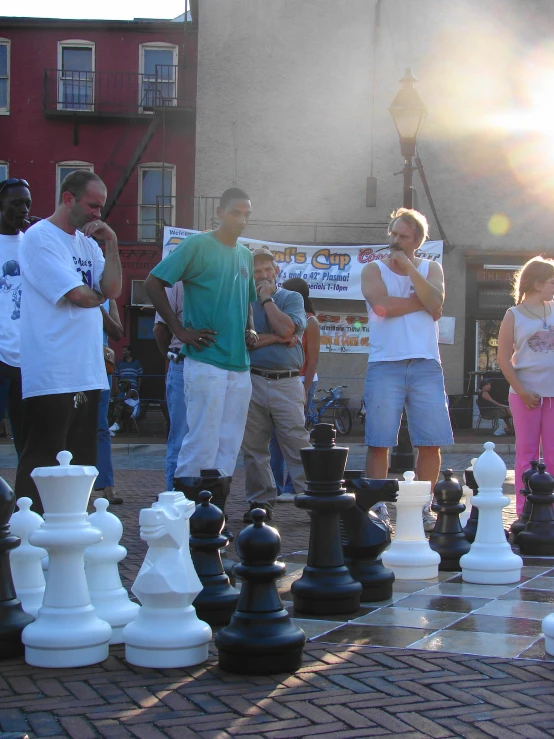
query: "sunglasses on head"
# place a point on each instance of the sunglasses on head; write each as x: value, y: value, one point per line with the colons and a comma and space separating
x: 13, y: 181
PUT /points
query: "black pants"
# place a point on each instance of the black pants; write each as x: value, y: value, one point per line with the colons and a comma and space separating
x: 52, y: 424
x: 10, y: 379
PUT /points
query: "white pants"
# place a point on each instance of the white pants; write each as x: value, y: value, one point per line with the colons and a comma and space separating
x: 217, y: 405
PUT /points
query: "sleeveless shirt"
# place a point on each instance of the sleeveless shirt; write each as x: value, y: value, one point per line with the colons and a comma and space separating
x: 533, y: 357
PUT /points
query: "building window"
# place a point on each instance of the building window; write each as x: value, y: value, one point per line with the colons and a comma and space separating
x: 75, y: 75
x: 3, y: 171
x: 4, y: 76
x: 158, y: 69
x: 65, y: 168
x: 156, y: 199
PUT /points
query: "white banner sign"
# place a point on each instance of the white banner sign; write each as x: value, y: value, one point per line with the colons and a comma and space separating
x: 343, y: 333
x: 330, y: 271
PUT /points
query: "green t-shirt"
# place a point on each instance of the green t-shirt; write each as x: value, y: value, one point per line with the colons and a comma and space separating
x: 218, y: 287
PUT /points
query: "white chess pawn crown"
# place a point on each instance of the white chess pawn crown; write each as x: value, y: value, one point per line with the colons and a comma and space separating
x: 409, y: 556
x: 67, y: 632
x: 490, y: 561
x: 26, y: 560
x: 108, y: 596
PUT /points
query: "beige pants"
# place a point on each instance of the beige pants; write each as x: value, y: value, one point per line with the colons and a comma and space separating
x: 279, y: 404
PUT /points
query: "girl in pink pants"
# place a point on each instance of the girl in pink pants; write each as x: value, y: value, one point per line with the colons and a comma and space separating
x: 526, y: 358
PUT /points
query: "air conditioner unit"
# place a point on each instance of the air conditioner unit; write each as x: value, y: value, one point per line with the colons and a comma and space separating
x: 138, y: 294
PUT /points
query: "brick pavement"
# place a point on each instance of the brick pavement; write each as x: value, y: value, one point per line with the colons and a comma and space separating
x: 339, y: 692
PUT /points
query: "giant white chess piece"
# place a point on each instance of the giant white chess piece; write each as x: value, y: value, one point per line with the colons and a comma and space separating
x: 67, y: 631
x: 108, y: 596
x: 167, y: 631
x: 26, y: 560
x: 490, y: 561
x: 548, y: 631
x: 409, y: 556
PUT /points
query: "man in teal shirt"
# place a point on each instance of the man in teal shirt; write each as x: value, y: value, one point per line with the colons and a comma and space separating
x: 217, y: 276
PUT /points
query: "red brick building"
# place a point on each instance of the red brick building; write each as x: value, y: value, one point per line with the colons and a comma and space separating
x: 116, y: 98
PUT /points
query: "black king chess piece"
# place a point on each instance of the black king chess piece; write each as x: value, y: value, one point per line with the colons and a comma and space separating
x: 364, y: 536
x: 326, y: 586
x: 218, y: 599
x: 13, y: 618
x: 448, y: 538
x: 261, y: 639
x: 538, y: 536
x: 520, y: 523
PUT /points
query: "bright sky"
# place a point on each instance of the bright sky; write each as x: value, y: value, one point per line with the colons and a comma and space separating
x: 103, y: 9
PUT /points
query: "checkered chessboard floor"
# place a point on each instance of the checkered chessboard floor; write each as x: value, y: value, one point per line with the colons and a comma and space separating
x: 444, y: 614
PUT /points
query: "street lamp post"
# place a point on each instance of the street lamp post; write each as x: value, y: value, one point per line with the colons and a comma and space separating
x: 408, y: 113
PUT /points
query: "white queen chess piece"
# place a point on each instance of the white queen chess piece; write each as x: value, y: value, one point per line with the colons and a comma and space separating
x: 26, y: 560
x: 490, y: 561
x: 409, y: 556
x: 67, y: 631
x: 108, y: 596
x: 167, y: 632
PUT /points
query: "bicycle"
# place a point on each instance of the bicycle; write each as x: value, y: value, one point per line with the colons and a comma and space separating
x: 334, y: 402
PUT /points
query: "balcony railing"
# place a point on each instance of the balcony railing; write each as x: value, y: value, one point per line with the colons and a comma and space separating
x: 113, y: 93
x: 143, y: 222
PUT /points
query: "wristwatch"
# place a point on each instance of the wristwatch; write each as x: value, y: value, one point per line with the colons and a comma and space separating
x: 267, y: 300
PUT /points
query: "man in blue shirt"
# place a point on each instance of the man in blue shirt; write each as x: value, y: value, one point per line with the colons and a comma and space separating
x: 277, y: 392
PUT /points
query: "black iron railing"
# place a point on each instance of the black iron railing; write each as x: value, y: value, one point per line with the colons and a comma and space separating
x: 113, y: 93
x: 143, y: 222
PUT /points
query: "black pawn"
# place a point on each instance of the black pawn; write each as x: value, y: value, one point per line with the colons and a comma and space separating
x: 538, y: 536
x: 520, y: 523
x: 218, y: 599
x: 365, y: 537
x: 326, y: 585
x: 13, y: 618
x: 448, y: 537
x: 470, y: 528
x: 261, y: 639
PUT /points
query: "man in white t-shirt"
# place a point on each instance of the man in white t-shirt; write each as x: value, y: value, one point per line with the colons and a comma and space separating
x: 15, y: 204
x: 65, y: 279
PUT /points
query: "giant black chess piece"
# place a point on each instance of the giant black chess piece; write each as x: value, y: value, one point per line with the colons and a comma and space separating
x: 364, y: 536
x: 13, y: 618
x: 261, y: 639
x: 218, y: 599
x: 538, y: 536
x: 448, y: 537
x: 520, y: 523
x: 326, y: 586
x: 470, y: 528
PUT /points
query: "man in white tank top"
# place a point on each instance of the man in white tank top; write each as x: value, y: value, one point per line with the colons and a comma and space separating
x: 405, y: 295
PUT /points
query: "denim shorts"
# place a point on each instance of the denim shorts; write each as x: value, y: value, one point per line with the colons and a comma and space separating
x: 417, y: 384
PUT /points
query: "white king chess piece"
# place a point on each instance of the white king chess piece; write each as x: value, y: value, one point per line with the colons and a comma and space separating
x: 409, y: 556
x: 490, y: 561
x: 167, y: 632
x: 108, y: 596
x: 26, y: 560
x: 67, y: 631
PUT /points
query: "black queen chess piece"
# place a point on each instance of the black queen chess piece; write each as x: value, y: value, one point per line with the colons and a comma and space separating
x: 261, y: 638
x: 217, y: 601
x: 448, y: 538
x: 13, y: 618
x: 326, y: 586
x: 520, y: 523
x: 538, y: 536
x: 470, y: 528
x: 364, y: 536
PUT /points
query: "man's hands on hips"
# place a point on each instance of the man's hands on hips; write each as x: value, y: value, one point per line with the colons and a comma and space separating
x: 198, y: 338
x: 251, y: 338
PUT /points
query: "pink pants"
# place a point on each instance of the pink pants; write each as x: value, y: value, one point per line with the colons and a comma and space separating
x: 532, y: 427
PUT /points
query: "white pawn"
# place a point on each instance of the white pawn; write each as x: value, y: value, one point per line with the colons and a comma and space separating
x: 67, y: 632
x: 490, y: 561
x: 108, y: 596
x: 548, y: 631
x: 409, y: 556
x: 167, y: 632
x: 468, y: 497
x: 25, y: 561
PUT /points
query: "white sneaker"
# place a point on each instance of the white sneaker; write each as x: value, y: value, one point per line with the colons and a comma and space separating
x: 429, y: 519
x: 285, y: 497
x: 114, y: 427
x: 498, y: 432
x: 382, y: 513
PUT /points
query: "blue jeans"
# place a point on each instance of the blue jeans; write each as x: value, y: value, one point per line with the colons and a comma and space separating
x: 175, y: 397
x: 104, y: 443
x: 276, y: 459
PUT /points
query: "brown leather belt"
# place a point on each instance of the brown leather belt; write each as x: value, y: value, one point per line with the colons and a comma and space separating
x: 274, y: 374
